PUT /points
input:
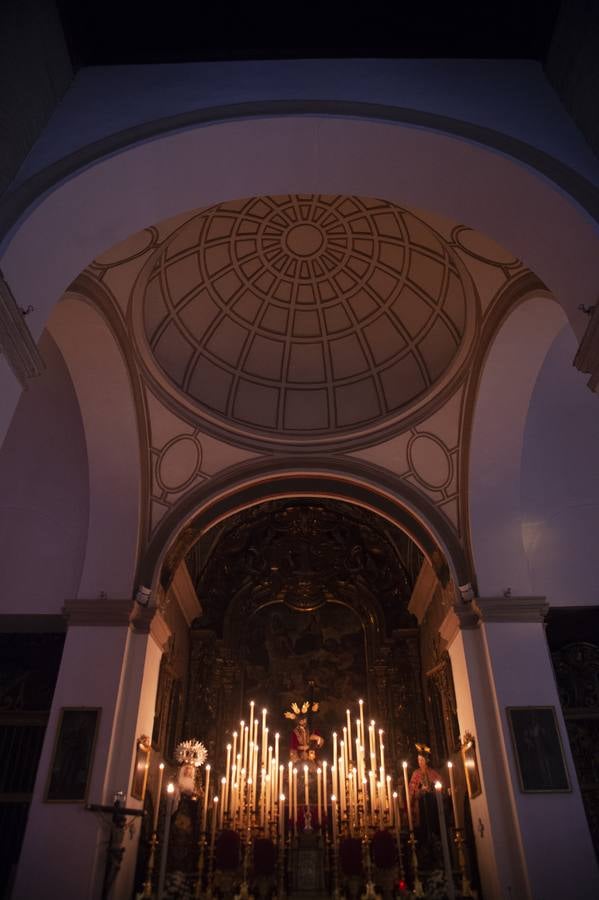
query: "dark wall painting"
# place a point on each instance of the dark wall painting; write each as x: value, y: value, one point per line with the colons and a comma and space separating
x: 285, y: 650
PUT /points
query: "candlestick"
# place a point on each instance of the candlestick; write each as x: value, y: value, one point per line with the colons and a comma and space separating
x: 454, y: 799
x: 170, y: 792
x: 334, y: 818
x: 306, y: 789
x: 205, y: 809
x: 408, y: 803
x: 158, y: 795
x: 444, y: 842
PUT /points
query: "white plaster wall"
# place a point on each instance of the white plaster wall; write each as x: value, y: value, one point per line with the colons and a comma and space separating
x: 559, y: 482
x: 553, y: 826
x: 62, y: 840
x: 43, y: 494
x: 513, y: 97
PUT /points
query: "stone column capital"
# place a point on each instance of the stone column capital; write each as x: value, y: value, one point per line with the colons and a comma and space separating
x: 99, y: 611
x: 511, y: 609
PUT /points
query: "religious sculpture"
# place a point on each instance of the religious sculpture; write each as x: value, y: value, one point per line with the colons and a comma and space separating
x: 422, y: 787
x: 304, y: 742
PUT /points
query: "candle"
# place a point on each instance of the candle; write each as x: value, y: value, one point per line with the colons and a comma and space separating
x: 372, y: 746
x: 397, y: 823
x: 294, y: 798
x: 306, y: 788
x: 158, y: 795
x: 227, y: 774
x: 251, y: 720
x: 290, y: 788
x: 319, y: 794
x: 264, y: 741
x: 372, y: 796
x: 214, y: 817
x: 324, y: 788
x: 382, y: 749
x: 390, y: 804
x: 344, y: 748
x: 170, y: 791
x: 334, y: 815
x: 249, y: 802
x: 223, y: 781
x: 279, y: 787
x: 408, y: 799
x: 444, y: 841
x: 242, y: 742
x: 246, y: 747
x: 454, y: 799
x: 362, y: 738
x: 348, y: 734
x: 205, y: 810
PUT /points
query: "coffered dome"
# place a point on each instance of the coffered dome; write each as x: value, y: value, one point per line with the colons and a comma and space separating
x: 295, y: 318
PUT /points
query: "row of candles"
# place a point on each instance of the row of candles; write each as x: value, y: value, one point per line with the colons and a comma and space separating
x: 257, y: 787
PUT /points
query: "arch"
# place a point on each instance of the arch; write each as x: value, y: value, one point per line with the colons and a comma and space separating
x: 111, y: 417
x: 510, y: 370
x: 333, y: 477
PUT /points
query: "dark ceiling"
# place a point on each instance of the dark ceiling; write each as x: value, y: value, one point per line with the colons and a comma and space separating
x: 111, y: 33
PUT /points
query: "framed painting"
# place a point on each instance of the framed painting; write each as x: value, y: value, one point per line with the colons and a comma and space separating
x: 470, y: 762
x: 538, y: 750
x: 140, y: 769
x: 72, y: 757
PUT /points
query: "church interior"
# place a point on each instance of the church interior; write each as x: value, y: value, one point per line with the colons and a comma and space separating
x: 299, y: 442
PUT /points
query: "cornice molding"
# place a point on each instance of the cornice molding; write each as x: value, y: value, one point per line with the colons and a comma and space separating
x: 512, y: 609
x: 185, y: 594
x: 16, y: 341
x: 587, y: 356
x: 160, y: 631
x: 100, y: 611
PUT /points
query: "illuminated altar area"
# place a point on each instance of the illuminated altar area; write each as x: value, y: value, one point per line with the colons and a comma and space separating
x: 312, y: 698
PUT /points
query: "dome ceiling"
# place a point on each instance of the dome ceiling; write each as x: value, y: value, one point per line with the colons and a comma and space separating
x: 300, y: 318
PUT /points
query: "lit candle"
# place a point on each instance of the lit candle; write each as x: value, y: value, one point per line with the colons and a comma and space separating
x: 205, y: 810
x: 372, y: 746
x: 324, y: 788
x: 397, y: 823
x: 278, y: 787
x: 306, y: 788
x: 372, y: 796
x: 344, y: 749
x: 246, y: 748
x: 242, y: 742
x: 264, y: 740
x: 251, y: 720
x: 223, y: 783
x: 444, y: 841
x: 170, y: 792
x: 390, y: 804
x: 348, y: 734
x: 295, y: 798
x: 214, y: 817
x: 319, y: 794
x: 362, y: 738
x: 335, y: 749
x: 158, y: 796
x: 234, y: 753
x: 290, y: 788
x: 227, y: 774
x: 408, y: 803
x: 249, y: 801
x: 454, y: 799
x: 382, y: 749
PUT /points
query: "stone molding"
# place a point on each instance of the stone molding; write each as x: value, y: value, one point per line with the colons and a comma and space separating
x: 424, y: 591
x: 160, y: 631
x: 460, y: 617
x: 185, y: 595
x: 101, y: 611
x: 512, y: 609
x: 587, y: 356
x: 16, y: 341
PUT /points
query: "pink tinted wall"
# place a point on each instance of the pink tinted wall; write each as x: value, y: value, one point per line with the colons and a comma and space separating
x: 43, y: 493
x: 559, y: 481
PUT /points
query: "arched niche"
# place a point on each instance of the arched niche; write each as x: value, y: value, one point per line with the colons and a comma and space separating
x: 527, y: 413
x: 113, y: 422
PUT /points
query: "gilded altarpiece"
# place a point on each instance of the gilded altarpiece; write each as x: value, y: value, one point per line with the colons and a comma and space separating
x: 303, y: 597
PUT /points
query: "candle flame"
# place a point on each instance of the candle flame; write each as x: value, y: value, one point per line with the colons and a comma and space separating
x: 161, y: 766
x: 170, y: 788
x: 216, y: 799
x: 450, y: 765
x: 333, y: 798
x: 438, y: 785
x: 282, y: 798
x: 395, y: 795
x: 404, y: 764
